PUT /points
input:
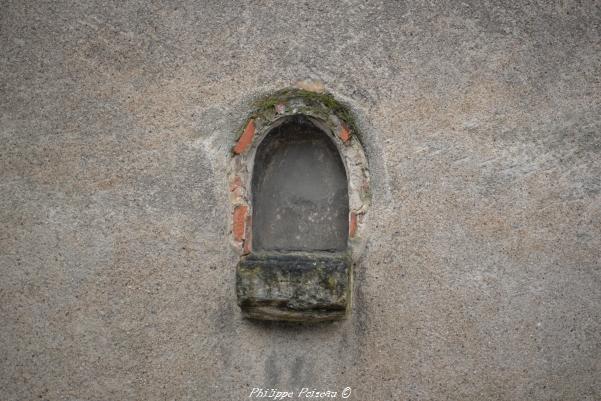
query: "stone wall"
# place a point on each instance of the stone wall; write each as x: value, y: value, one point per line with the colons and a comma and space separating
x: 481, y: 274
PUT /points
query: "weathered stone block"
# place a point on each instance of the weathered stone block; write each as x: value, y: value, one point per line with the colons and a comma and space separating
x: 294, y: 287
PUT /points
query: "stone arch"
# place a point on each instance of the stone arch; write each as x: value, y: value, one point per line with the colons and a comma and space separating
x: 332, y: 118
x: 272, y: 279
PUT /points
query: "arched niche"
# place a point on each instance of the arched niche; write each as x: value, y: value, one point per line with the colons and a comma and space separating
x: 299, y: 188
x: 299, y: 191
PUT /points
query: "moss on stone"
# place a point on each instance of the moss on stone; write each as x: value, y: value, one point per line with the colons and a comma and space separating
x: 294, y: 286
x: 322, y: 103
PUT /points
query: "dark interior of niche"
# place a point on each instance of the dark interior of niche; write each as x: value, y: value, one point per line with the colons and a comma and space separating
x: 299, y: 191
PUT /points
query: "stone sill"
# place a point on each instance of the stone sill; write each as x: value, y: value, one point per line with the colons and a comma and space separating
x: 295, y: 286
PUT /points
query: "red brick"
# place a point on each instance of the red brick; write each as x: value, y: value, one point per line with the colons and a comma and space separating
x: 344, y: 133
x: 352, y: 226
x: 238, y: 229
x: 246, y: 138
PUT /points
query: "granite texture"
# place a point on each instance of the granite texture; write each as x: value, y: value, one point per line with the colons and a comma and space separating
x: 481, y: 277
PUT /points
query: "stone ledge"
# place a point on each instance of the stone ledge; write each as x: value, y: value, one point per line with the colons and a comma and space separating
x: 294, y: 286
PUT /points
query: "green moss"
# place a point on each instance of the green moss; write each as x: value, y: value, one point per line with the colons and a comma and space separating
x: 318, y: 104
x: 315, y: 100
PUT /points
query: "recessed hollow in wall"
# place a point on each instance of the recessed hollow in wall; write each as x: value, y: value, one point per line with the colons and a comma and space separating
x: 300, y: 191
x: 299, y: 187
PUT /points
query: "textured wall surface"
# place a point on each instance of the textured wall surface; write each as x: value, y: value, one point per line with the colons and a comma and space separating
x: 481, y: 279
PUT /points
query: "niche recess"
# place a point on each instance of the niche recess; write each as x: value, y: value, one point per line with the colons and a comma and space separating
x: 299, y: 188
x: 299, y: 191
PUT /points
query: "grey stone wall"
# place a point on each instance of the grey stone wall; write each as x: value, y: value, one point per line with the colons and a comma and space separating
x: 481, y: 277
